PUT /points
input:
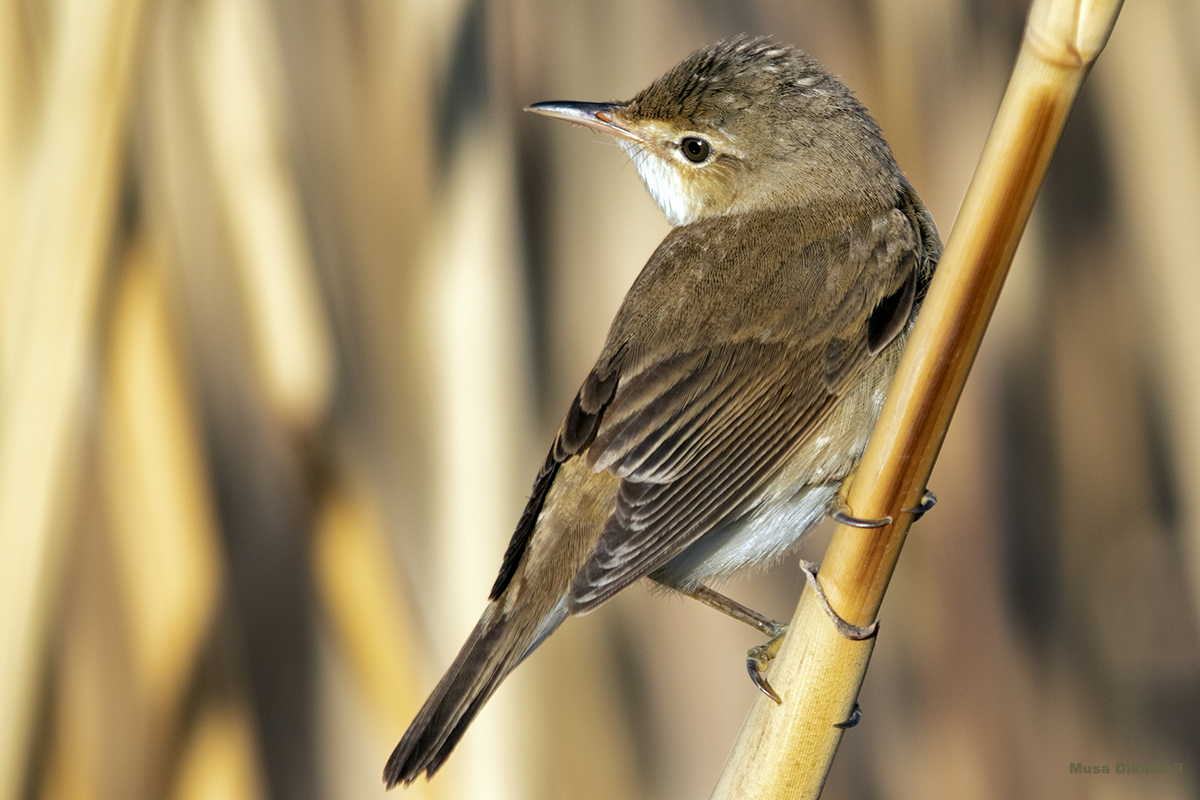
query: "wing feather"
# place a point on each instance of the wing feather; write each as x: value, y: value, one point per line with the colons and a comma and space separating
x: 672, y: 495
x: 711, y: 381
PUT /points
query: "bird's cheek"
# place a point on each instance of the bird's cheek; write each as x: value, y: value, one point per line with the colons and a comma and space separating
x: 720, y: 196
x: 714, y: 203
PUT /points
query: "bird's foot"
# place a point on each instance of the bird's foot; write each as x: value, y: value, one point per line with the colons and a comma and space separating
x: 844, y: 628
x: 759, y: 658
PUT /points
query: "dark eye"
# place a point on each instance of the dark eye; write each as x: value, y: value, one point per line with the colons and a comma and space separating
x: 695, y: 149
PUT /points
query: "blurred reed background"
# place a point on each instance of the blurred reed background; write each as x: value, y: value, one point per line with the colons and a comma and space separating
x: 292, y: 297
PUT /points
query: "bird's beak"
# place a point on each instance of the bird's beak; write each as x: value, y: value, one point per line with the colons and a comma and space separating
x: 590, y: 115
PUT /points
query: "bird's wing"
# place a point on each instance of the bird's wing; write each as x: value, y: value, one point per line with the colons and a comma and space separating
x: 695, y: 439
x: 696, y: 436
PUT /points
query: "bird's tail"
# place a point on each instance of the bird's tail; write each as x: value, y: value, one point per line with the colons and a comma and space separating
x: 494, y: 649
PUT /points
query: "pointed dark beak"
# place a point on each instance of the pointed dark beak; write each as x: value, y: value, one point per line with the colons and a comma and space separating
x: 590, y: 115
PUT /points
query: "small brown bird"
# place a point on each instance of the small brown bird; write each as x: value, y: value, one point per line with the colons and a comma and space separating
x: 743, y: 373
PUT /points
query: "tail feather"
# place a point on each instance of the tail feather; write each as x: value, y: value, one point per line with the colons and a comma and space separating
x: 493, y: 650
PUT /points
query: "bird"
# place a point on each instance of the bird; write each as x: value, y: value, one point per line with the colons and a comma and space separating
x: 742, y: 374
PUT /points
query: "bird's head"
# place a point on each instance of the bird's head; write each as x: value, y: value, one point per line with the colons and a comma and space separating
x: 745, y: 125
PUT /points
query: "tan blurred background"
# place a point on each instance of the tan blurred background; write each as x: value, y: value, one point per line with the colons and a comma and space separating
x: 292, y: 297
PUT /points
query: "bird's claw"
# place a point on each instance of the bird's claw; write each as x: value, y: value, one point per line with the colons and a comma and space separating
x: 841, y: 513
x: 855, y: 717
x: 928, y: 501
x: 858, y: 522
x: 844, y: 628
x: 757, y: 660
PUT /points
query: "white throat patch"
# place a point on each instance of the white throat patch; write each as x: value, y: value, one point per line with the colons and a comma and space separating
x: 663, y: 181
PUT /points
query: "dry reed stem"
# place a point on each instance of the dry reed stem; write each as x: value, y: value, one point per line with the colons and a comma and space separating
x: 160, y: 508
x: 785, y: 751
x: 244, y: 125
x: 58, y: 254
x: 1153, y: 114
x: 220, y: 759
x: 368, y: 612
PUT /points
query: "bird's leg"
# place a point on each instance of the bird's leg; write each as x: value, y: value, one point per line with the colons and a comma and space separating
x: 844, y: 628
x: 757, y: 658
x: 736, y: 610
x: 760, y: 657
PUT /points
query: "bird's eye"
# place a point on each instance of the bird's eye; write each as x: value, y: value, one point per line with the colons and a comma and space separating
x: 695, y: 149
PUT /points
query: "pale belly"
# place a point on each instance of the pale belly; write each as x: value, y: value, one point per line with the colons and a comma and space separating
x: 759, y: 538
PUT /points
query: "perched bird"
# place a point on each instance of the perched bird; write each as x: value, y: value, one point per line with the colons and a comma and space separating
x: 743, y: 373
